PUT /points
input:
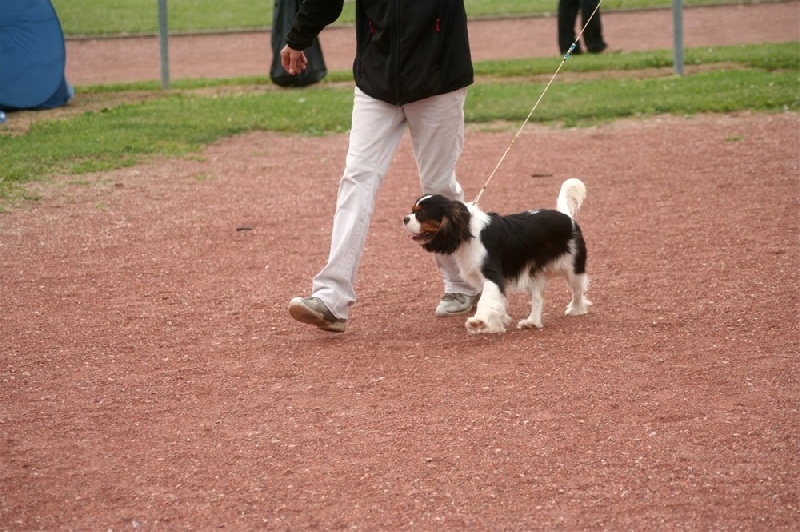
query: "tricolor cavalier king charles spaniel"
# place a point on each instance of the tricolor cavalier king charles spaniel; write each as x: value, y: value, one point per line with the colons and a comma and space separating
x: 514, y: 252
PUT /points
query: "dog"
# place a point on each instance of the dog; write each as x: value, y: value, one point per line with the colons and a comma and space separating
x: 498, y: 253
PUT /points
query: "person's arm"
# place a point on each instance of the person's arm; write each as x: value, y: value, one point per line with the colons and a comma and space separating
x: 311, y: 18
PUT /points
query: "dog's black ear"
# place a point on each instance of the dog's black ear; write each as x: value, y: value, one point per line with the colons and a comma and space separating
x: 453, y: 230
x: 460, y: 218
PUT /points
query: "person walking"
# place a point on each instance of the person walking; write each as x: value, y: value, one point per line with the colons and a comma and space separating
x: 412, y: 68
x: 567, y: 18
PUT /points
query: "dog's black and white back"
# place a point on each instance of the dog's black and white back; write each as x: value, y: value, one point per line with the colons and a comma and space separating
x: 513, y: 252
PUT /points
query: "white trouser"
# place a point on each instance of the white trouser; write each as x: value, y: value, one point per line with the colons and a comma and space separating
x: 436, y: 126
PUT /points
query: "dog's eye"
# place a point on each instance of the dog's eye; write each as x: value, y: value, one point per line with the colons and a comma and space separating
x: 421, y: 214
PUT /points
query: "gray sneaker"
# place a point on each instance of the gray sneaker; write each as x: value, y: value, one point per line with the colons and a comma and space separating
x: 313, y: 311
x: 456, y: 305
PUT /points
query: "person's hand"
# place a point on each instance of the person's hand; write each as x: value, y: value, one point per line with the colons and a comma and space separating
x: 293, y: 61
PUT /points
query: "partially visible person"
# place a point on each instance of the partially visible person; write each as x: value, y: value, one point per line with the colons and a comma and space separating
x: 412, y: 68
x: 593, y: 34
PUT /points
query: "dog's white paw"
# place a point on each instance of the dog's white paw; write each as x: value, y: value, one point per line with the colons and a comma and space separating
x: 529, y: 324
x: 578, y: 310
x: 477, y: 325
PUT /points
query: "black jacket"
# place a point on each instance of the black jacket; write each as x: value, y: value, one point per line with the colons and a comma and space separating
x: 406, y: 50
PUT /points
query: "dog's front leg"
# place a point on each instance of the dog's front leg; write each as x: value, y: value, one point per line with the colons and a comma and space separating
x: 537, y: 285
x: 491, y: 315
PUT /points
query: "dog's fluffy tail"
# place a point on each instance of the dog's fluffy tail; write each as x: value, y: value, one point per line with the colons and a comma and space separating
x: 572, y: 194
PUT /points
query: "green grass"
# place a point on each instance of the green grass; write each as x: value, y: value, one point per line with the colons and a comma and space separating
x: 755, y: 77
x: 604, y: 100
x: 765, y: 56
x: 91, y: 17
x: 171, y: 126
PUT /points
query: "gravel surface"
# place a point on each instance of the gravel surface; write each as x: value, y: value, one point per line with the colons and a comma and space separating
x: 152, y: 378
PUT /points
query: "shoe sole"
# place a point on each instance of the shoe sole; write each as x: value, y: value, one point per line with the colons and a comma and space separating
x: 443, y: 314
x: 450, y: 314
x: 305, y: 314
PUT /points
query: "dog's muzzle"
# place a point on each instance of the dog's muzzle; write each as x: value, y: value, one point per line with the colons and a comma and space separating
x: 413, y: 229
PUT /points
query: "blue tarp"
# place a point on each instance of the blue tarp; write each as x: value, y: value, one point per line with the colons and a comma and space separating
x: 32, y: 56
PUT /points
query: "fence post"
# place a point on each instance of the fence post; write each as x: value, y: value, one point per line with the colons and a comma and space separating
x: 163, y: 37
x: 677, y: 36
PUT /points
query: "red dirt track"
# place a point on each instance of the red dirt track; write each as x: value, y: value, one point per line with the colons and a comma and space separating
x: 152, y: 378
x: 249, y: 54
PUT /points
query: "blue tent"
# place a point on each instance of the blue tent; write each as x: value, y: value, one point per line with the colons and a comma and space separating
x: 32, y: 56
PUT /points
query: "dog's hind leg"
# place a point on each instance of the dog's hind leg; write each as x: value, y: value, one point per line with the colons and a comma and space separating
x: 534, y: 319
x: 578, y: 284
